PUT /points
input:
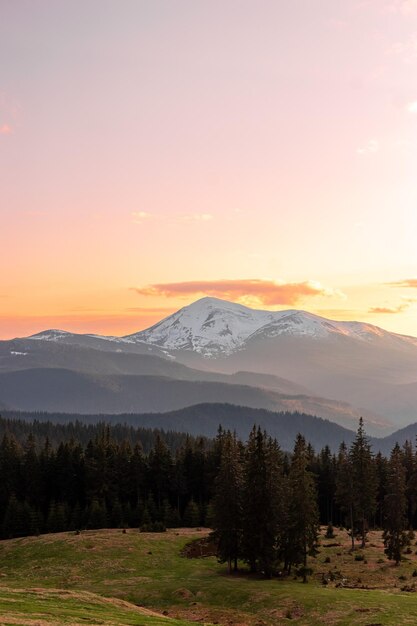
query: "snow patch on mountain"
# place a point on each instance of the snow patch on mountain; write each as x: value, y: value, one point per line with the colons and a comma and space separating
x: 51, y: 335
x: 212, y: 327
x: 208, y: 326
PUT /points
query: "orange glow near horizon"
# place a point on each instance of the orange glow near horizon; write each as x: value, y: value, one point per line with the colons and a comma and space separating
x: 170, y: 150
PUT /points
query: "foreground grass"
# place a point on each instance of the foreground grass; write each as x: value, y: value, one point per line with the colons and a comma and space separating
x: 47, y: 607
x: 147, y: 570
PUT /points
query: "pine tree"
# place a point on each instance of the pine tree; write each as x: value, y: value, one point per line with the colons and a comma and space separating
x: 191, y: 517
x: 160, y: 470
x: 364, y: 481
x: 261, y: 483
x: 411, y: 477
x: 303, y: 523
x: 326, y: 484
x: 97, y: 515
x: 227, y: 504
x: 344, y: 490
x: 395, y: 507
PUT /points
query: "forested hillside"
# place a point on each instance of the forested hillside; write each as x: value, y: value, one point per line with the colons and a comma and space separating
x: 102, y: 476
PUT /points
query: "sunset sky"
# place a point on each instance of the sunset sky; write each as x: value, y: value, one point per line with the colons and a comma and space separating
x: 152, y: 152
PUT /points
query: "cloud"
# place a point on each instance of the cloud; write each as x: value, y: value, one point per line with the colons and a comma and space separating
x: 6, y: 129
x: 266, y: 292
x: 412, y: 107
x: 139, y: 216
x: 403, y: 306
x: 405, y: 50
x: 385, y: 309
x: 408, y: 283
x: 370, y: 148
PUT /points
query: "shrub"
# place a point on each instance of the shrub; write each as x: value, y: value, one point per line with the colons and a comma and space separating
x: 330, y: 531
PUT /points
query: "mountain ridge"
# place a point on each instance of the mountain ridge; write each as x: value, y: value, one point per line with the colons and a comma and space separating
x: 346, y: 362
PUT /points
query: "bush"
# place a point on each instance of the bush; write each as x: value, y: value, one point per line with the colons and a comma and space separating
x: 359, y: 557
x: 330, y: 531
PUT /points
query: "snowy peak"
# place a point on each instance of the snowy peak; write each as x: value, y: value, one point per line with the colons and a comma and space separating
x: 212, y: 327
x: 303, y: 324
x: 208, y: 326
x: 51, y: 335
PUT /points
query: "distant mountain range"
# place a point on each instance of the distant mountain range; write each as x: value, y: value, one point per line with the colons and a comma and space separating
x: 217, y: 351
x: 204, y: 420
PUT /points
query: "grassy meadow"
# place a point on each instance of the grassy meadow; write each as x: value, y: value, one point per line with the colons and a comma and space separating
x: 110, y: 578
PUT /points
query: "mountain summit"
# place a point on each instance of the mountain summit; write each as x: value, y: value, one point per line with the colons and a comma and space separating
x: 212, y: 327
x: 214, y: 350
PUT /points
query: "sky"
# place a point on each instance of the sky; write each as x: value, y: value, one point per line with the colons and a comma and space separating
x: 153, y: 152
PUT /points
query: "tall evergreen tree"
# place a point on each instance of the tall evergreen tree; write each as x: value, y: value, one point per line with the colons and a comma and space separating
x: 364, y: 481
x: 344, y: 490
x: 227, y: 503
x: 395, y: 507
x: 262, y: 468
x: 303, y: 513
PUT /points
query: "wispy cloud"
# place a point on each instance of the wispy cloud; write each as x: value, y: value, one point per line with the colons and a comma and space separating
x: 385, y: 309
x: 405, y: 304
x: 405, y: 50
x: 138, y: 217
x: 408, y: 283
x: 370, y: 148
x: 6, y: 129
x: 266, y: 292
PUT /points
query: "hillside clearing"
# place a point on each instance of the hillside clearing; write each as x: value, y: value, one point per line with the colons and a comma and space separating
x: 44, y: 577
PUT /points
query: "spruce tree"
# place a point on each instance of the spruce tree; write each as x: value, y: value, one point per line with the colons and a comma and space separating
x: 227, y: 504
x: 261, y: 483
x: 364, y: 481
x: 191, y: 517
x: 395, y: 507
x: 344, y: 490
x: 303, y: 524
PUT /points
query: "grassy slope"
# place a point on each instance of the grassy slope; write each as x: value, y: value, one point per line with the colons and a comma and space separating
x: 147, y: 570
x: 47, y: 607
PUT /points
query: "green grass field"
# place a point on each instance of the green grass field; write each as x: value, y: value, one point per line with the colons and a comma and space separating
x: 105, y: 577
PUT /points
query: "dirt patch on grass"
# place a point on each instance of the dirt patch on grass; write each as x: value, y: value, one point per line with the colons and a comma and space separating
x: 200, y: 548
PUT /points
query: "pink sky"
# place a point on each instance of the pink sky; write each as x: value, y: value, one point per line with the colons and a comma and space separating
x: 153, y: 152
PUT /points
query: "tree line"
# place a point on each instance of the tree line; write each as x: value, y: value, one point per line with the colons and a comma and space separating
x: 264, y: 505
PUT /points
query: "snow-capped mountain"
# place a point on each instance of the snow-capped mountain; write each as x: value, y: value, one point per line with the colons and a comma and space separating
x: 213, y: 327
x: 208, y: 326
x: 351, y: 362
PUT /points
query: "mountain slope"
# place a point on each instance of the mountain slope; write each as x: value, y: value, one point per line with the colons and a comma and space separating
x: 68, y: 353
x: 350, y: 361
x: 211, y: 327
x: 204, y: 420
x: 289, y: 352
x: 76, y: 392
